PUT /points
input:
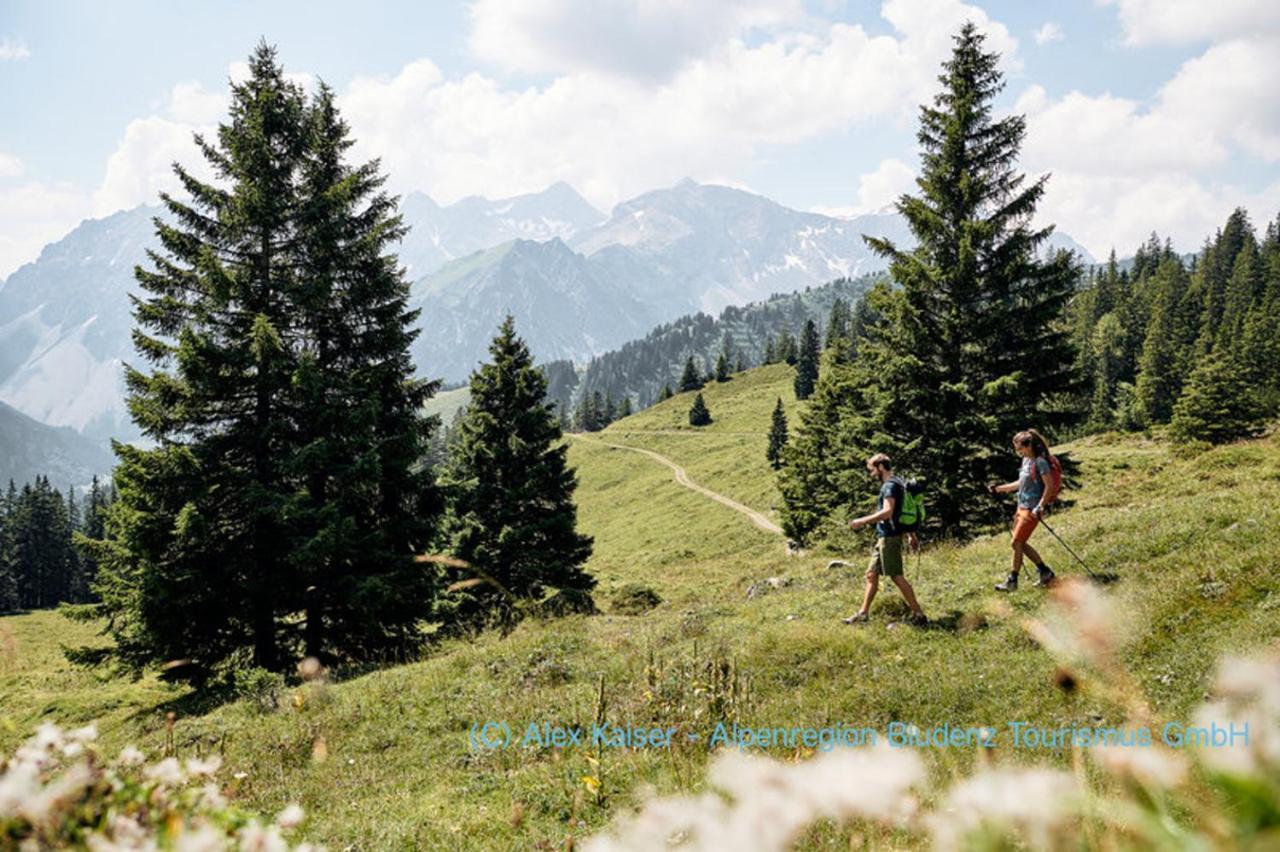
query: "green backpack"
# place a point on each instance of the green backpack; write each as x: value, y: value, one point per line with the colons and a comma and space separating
x: 912, y: 512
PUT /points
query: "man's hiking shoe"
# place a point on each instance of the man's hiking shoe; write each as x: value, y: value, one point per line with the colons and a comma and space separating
x: 1046, y: 577
x: 1010, y: 584
x: 857, y: 618
x: 918, y: 619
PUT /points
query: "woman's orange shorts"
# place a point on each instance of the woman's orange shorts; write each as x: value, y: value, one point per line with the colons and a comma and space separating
x: 1024, y: 523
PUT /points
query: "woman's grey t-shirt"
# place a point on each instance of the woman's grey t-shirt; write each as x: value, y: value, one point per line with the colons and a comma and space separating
x: 1031, y: 485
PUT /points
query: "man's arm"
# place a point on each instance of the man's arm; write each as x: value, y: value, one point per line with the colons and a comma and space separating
x: 883, y: 515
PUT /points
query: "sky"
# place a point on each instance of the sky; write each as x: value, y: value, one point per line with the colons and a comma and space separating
x: 1150, y: 115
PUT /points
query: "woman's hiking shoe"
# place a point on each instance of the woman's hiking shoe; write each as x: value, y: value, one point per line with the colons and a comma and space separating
x: 857, y: 618
x: 1010, y: 584
x: 1046, y: 577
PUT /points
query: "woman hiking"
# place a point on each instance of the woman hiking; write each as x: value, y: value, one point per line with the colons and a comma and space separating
x: 1037, y: 487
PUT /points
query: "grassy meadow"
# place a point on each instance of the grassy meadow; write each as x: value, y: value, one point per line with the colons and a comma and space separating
x: 381, y: 759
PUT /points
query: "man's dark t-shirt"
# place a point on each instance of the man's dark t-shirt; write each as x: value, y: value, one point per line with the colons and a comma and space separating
x: 890, y: 489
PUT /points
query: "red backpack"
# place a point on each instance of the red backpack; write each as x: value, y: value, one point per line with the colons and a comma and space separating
x: 1055, y: 478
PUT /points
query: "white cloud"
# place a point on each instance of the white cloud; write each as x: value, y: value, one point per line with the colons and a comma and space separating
x: 141, y: 167
x: 32, y: 215
x: 1117, y: 211
x: 1121, y: 167
x: 640, y: 38
x: 10, y: 166
x: 13, y: 50
x: 881, y: 188
x: 612, y: 135
x: 1049, y: 32
x: 1184, y: 21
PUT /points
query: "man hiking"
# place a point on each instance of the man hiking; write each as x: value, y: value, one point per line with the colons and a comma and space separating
x: 1037, y: 487
x: 886, y: 557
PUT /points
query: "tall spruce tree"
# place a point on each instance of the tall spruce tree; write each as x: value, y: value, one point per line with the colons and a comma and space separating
x: 690, y: 379
x: 9, y: 598
x: 511, y: 493
x: 777, y: 436
x: 837, y: 322
x: 807, y: 363
x: 699, y: 414
x: 365, y: 505
x: 278, y: 510
x: 971, y: 349
x: 1166, y: 347
x: 1218, y: 404
x: 722, y: 368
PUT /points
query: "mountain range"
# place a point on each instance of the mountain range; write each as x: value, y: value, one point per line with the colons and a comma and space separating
x: 579, y: 283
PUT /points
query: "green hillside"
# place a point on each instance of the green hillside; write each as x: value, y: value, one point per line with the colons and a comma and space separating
x: 381, y: 760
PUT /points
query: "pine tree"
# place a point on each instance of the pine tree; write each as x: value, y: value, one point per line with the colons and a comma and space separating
x: 366, y: 505
x: 665, y: 393
x: 9, y: 596
x: 837, y: 322
x: 777, y: 436
x: 739, y: 366
x: 807, y: 363
x: 770, y: 354
x: 821, y: 470
x: 1108, y: 359
x: 1166, y: 345
x: 1219, y: 403
x: 722, y: 368
x: 690, y: 379
x: 625, y: 410
x: 699, y: 414
x: 971, y: 349
x: 787, y: 349
x: 511, y: 492
x: 278, y: 511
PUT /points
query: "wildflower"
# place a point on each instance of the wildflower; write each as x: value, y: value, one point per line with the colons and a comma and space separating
x: 19, y: 781
x: 167, y: 772
x: 130, y: 756
x: 1151, y: 767
x: 203, y: 839
x: 1033, y: 803
x: 1080, y: 628
x: 45, y: 807
x: 290, y: 817
x: 197, y: 768
x: 255, y: 837
x: 773, y: 801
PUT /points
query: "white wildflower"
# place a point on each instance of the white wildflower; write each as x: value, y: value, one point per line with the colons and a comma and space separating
x: 206, y: 768
x: 131, y: 756
x: 255, y: 837
x: 290, y: 817
x: 1248, y: 706
x: 46, y: 806
x: 203, y: 839
x: 1080, y: 626
x: 1151, y: 767
x: 19, y: 782
x: 167, y: 771
x: 1031, y: 802
x: 85, y: 735
x: 211, y: 797
x: 773, y: 801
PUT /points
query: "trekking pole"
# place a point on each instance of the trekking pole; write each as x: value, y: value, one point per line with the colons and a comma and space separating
x: 1069, y: 550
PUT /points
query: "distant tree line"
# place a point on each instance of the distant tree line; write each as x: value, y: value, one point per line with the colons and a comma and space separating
x: 1194, y: 344
x: 741, y: 338
x: 40, y: 563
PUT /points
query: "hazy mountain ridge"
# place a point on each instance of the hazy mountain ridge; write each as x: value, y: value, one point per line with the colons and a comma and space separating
x: 579, y: 283
x: 29, y: 449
